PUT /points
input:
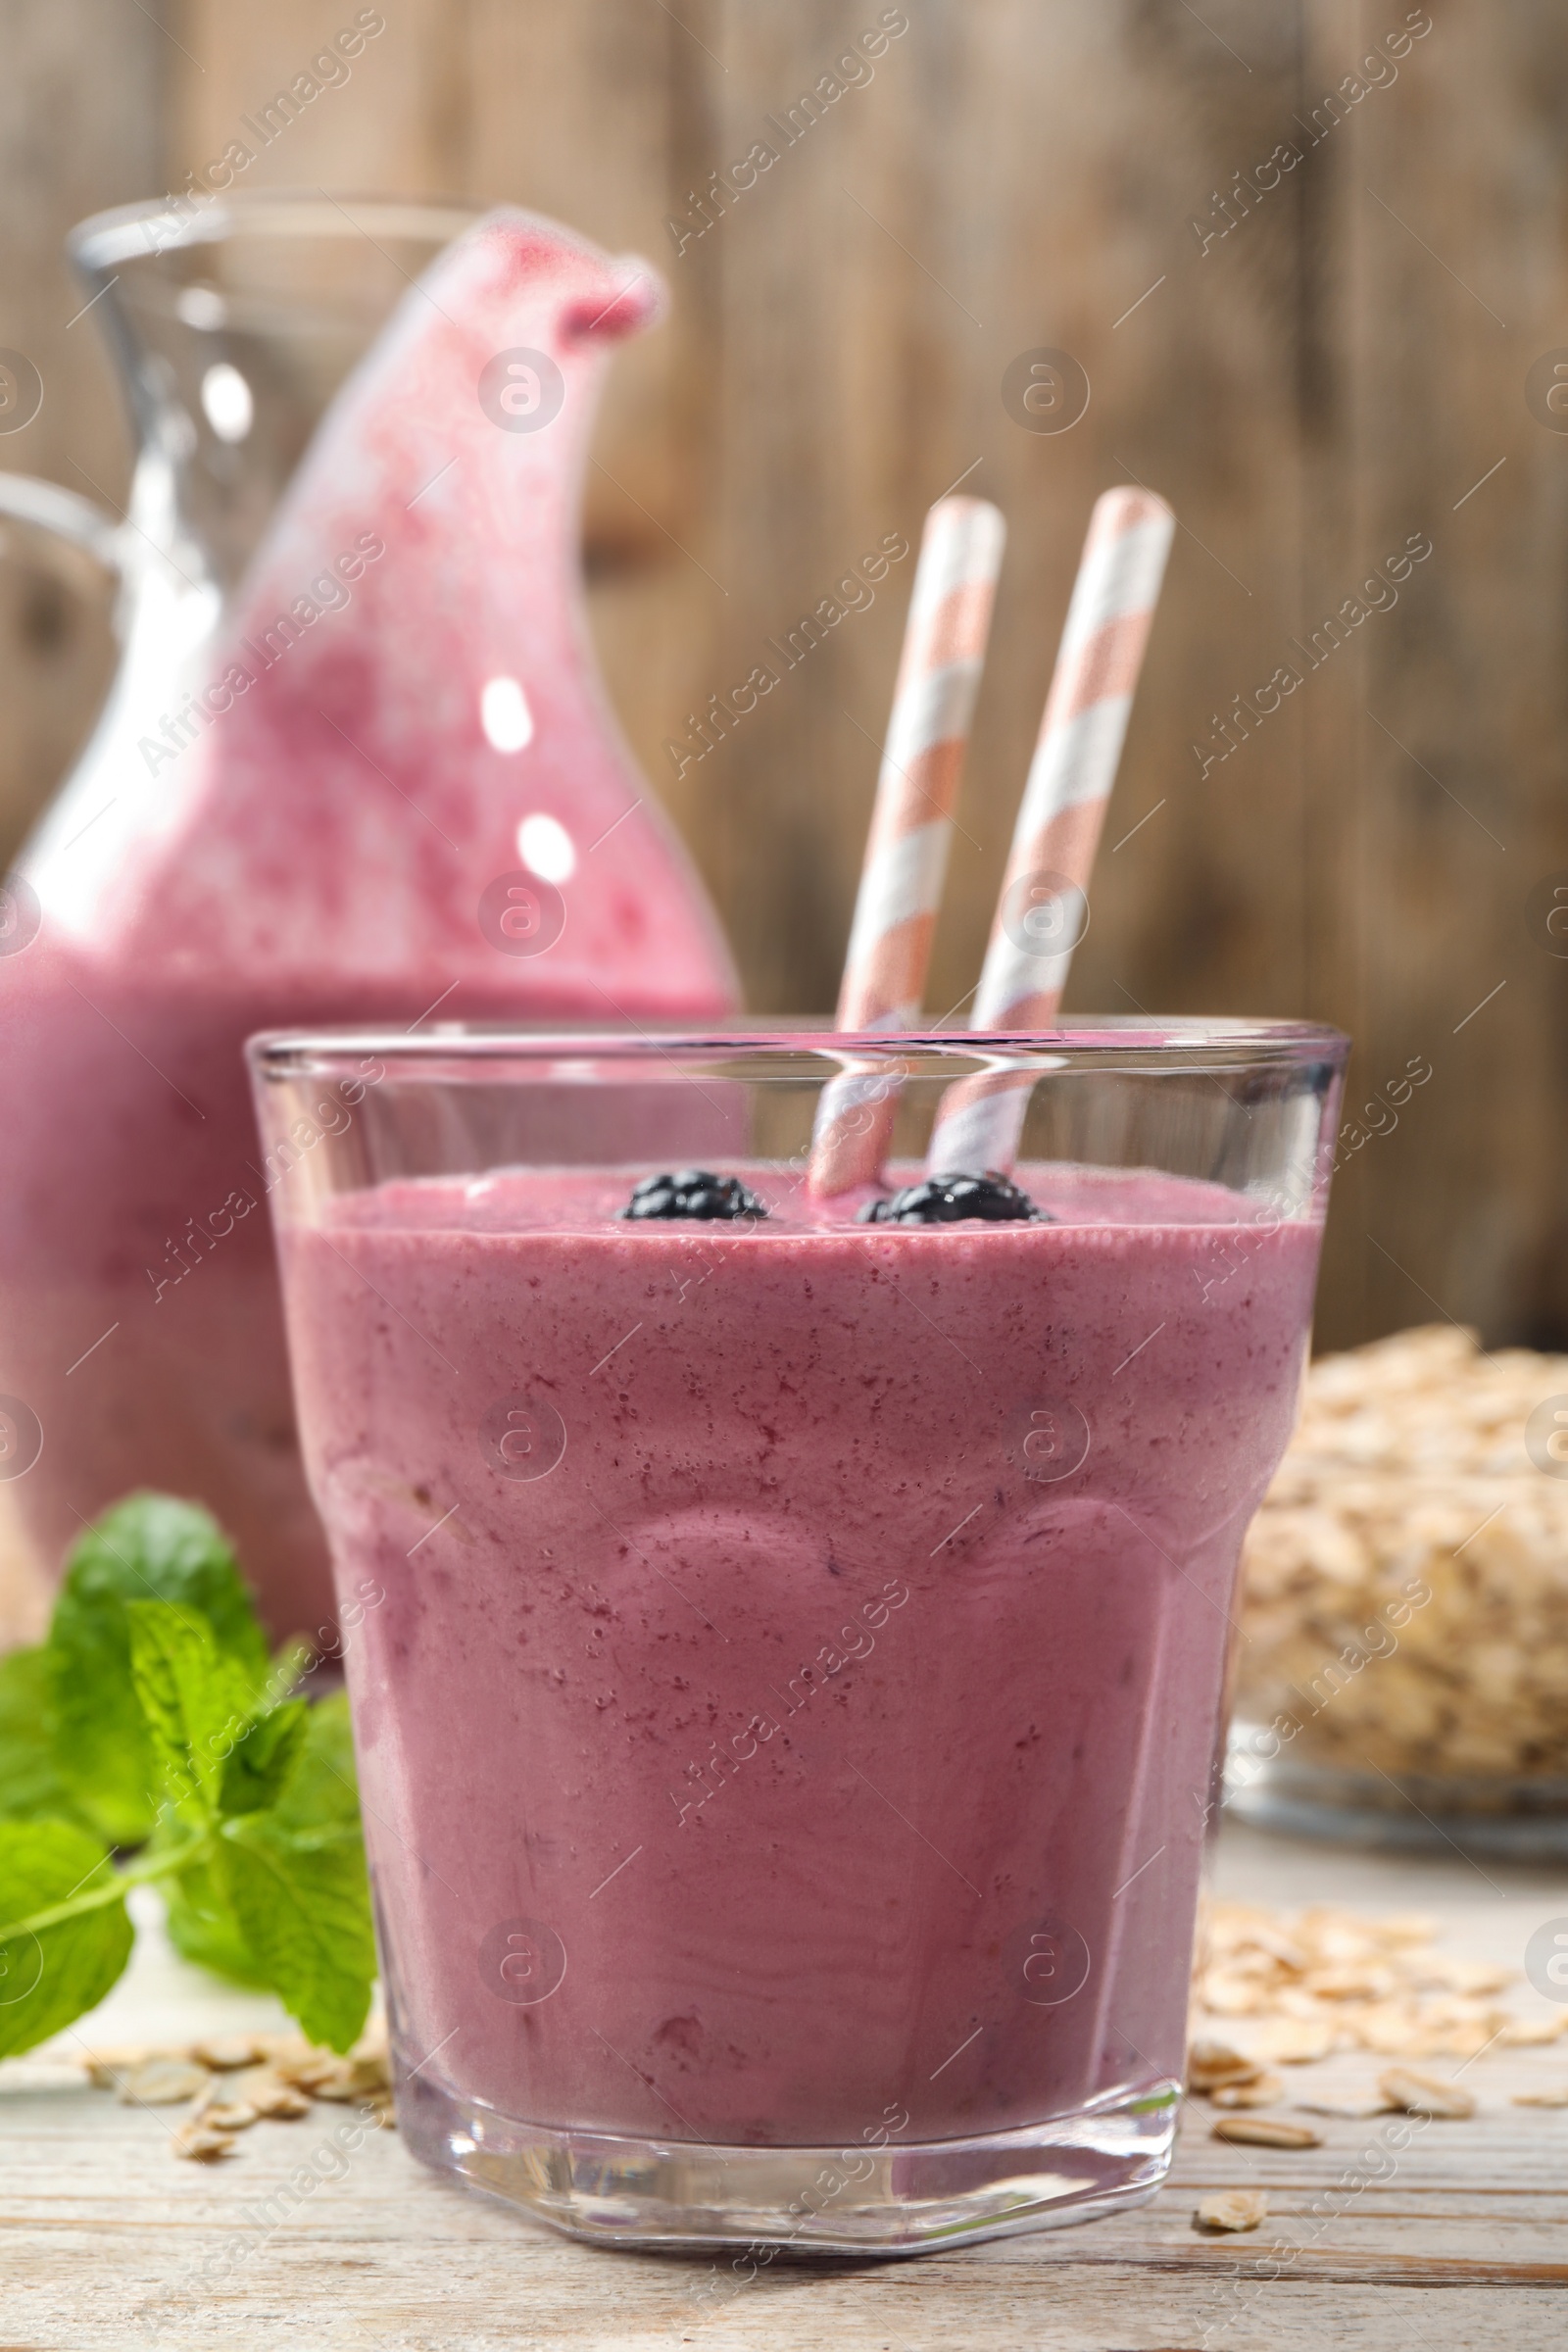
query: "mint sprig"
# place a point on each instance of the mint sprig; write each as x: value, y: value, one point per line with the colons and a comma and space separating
x: 150, y: 1547
x: 152, y: 1719
x: 77, y: 1936
x: 195, y: 1705
x: 31, y: 1783
x: 304, y: 1908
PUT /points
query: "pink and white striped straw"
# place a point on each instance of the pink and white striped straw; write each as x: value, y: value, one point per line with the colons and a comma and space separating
x: 912, y: 824
x: 1044, y: 909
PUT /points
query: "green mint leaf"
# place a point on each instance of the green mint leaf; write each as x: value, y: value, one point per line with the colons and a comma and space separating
x: 323, y: 1792
x: 52, y: 1975
x: 150, y: 1547
x: 30, y: 1785
x: 202, y: 1927
x: 254, y: 1774
x: 282, y: 1751
x: 287, y: 1669
x: 195, y: 1704
x: 303, y: 1904
x: 314, y: 1790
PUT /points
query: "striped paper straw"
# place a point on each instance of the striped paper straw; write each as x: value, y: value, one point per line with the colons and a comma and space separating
x: 912, y: 824
x: 1044, y: 909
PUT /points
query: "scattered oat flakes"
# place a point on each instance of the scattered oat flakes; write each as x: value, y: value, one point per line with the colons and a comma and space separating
x: 371, y: 2068
x: 270, y: 2097
x: 1231, y: 1994
x: 1267, y: 2090
x: 229, y: 2115
x: 1351, y: 1981
x: 1406, y: 1927
x: 1473, y: 1976
x: 1533, y: 2033
x: 1426, y: 2094
x: 233, y: 2081
x: 1294, y: 2040
x: 337, y: 2083
x: 225, y: 2053
x: 309, y: 2069
x: 1232, y: 2209
x: 1332, y: 1979
x: 1550, y: 2094
x: 1266, y: 2131
x: 106, y: 2070
x: 162, y: 2083
x: 1212, y: 2063
x: 202, y: 2145
x: 1442, y: 2026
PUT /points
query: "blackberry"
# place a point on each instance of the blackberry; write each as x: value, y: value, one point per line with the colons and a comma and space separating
x: 992, y: 1198
x: 692, y: 1193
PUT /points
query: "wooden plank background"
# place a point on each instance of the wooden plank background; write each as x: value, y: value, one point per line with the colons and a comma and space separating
x: 1312, y: 363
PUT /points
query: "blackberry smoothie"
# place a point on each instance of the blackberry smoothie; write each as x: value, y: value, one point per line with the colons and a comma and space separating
x: 792, y: 1716
x: 341, y: 819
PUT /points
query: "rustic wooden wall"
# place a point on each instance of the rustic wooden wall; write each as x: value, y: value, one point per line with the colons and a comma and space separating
x: 1333, y: 373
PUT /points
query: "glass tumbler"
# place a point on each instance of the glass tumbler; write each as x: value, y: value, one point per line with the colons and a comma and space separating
x: 788, y: 1737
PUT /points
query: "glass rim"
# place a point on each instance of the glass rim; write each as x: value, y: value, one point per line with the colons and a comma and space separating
x: 451, y: 1050
x: 111, y: 239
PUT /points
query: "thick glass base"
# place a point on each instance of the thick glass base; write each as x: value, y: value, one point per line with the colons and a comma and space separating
x: 612, y: 2190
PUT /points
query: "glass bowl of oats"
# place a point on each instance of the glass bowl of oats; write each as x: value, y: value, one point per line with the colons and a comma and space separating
x: 1402, y: 1669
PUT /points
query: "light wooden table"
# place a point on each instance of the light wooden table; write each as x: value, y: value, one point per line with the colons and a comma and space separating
x: 1464, y: 2244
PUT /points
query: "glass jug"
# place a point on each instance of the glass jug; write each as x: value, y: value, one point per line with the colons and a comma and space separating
x: 356, y: 763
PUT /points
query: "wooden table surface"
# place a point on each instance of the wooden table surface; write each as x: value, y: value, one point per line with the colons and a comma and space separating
x: 1461, y: 2240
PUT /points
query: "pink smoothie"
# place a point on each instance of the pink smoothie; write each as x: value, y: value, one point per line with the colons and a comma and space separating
x: 311, y: 835
x: 824, y: 1722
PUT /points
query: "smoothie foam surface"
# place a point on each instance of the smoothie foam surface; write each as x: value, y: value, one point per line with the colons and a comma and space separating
x: 549, y: 1199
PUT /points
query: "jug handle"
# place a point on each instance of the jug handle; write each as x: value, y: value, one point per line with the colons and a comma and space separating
x: 67, y: 515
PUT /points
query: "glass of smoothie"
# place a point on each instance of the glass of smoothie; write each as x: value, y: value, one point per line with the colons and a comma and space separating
x: 790, y: 1733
